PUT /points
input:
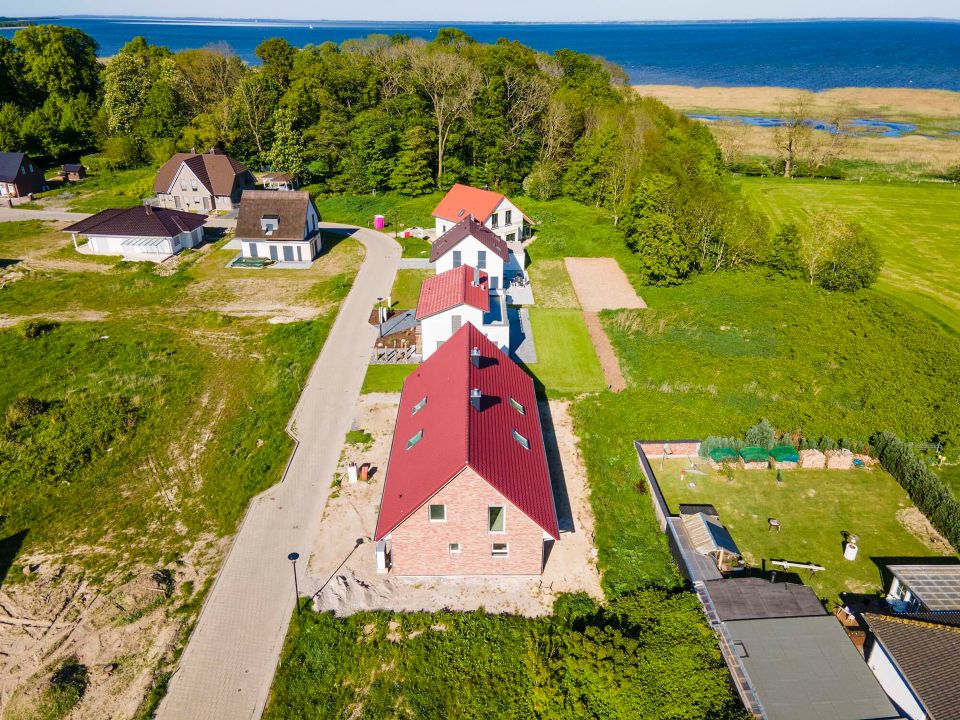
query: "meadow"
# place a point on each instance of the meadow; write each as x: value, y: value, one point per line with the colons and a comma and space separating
x: 815, y: 508
x: 917, y: 226
x: 204, y: 394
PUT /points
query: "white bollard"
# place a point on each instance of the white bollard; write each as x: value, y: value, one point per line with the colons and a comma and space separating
x: 352, y: 473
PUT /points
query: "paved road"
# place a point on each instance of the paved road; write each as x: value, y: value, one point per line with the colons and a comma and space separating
x: 229, y: 662
x: 7, y: 214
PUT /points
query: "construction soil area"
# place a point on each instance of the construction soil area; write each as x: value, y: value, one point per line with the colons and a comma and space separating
x: 342, y: 570
x: 601, y: 284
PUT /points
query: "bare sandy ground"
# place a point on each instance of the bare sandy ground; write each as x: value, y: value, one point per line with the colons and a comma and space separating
x: 601, y: 284
x: 883, y: 102
x: 342, y: 567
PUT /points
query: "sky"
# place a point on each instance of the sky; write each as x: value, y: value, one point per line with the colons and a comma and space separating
x: 495, y: 10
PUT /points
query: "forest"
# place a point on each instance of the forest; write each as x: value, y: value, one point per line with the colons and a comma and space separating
x: 399, y: 114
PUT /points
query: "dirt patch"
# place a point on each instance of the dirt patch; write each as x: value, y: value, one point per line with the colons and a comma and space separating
x: 80, y: 316
x: 601, y: 284
x: 916, y: 523
x: 343, y: 571
x: 121, y: 635
x: 609, y: 362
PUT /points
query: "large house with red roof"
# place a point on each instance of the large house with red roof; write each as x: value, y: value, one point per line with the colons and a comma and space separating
x: 491, y: 209
x: 469, y: 242
x: 454, y: 298
x: 467, y: 488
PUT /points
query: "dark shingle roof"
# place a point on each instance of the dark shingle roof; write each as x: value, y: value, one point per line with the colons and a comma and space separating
x: 289, y: 207
x: 469, y: 227
x: 755, y: 598
x: 140, y: 221
x: 10, y: 163
x: 928, y: 657
x: 214, y: 170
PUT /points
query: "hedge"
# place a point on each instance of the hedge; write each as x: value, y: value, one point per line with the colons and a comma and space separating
x: 927, y: 491
x: 754, y: 454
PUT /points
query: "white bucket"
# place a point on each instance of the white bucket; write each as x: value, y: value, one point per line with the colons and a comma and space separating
x: 850, y: 551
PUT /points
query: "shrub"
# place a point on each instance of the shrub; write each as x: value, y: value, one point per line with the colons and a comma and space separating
x: 31, y: 329
x: 927, y: 491
x: 761, y: 435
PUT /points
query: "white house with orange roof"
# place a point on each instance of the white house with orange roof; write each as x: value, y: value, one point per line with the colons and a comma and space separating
x: 492, y: 209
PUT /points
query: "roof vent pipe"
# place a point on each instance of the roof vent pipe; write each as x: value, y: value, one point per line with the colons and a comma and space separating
x: 475, y: 357
x: 475, y: 396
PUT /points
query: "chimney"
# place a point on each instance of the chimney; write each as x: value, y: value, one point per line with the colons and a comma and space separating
x: 476, y: 276
x: 475, y: 396
x: 475, y: 357
x: 193, y: 150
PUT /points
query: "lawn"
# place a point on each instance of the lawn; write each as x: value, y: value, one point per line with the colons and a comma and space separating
x: 386, y: 378
x: 398, y: 210
x: 566, y: 363
x: 950, y: 474
x: 406, y: 288
x: 813, y: 507
x: 551, y: 285
x: 917, y: 226
x: 107, y: 189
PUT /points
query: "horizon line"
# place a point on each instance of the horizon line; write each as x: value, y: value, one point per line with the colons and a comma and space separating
x: 704, y: 21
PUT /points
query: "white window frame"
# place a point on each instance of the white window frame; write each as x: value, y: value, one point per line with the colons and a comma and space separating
x: 419, y: 406
x: 451, y: 546
x: 503, y: 516
x: 430, y: 516
x: 503, y: 553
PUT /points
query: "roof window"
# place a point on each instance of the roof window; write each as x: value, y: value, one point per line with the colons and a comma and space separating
x: 415, y: 439
x: 419, y: 406
x: 460, y: 214
x: 522, y: 440
x: 517, y: 406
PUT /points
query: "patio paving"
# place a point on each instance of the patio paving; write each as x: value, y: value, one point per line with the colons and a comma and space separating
x: 522, y: 347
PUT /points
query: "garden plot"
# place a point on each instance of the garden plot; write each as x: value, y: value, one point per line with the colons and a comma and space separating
x: 342, y: 570
x: 601, y: 284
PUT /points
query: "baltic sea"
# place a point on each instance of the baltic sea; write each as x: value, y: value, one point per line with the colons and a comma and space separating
x: 810, y: 54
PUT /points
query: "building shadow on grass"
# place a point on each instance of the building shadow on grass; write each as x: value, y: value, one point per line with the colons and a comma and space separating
x: 332, y: 237
x: 557, y: 478
x: 9, y: 548
x: 7, y: 262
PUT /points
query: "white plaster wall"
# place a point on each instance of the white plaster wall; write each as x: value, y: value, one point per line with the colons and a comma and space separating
x: 893, y: 684
x: 469, y: 248
x: 516, y: 221
x: 263, y: 249
x: 111, y: 245
x: 439, y: 328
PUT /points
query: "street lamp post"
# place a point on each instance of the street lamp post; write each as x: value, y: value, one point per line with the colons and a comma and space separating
x: 293, y: 557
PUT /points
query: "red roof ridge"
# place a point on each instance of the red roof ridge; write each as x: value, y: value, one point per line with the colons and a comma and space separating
x: 451, y: 289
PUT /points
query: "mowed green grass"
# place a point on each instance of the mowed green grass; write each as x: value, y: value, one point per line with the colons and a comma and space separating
x: 386, y: 378
x: 406, y: 288
x: 814, y: 507
x: 917, y: 226
x: 950, y: 474
x: 105, y: 189
x: 566, y: 363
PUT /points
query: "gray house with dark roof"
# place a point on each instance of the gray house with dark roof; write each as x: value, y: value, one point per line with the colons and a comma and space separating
x: 139, y: 233
x: 201, y: 182
x: 19, y: 175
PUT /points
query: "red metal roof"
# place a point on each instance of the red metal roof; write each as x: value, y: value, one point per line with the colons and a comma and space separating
x: 469, y: 227
x: 463, y: 200
x: 456, y: 435
x: 451, y: 289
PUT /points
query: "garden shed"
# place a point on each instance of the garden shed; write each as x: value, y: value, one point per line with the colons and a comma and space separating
x: 755, y: 458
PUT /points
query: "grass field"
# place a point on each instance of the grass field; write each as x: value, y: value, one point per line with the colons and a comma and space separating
x: 386, y: 378
x: 552, y: 286
x: 406, y: 288
x: 102, y: 190
x: 950, y: 474
x: 918, y: 227
x: 163, y: 343
x: 566, y: 361
x: 814, y: 507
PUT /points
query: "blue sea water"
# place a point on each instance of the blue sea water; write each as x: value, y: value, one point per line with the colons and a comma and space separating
x: 859, y: 126
x: 808, y: 54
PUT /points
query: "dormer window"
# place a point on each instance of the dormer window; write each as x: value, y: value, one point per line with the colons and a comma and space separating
x: 269, y: 224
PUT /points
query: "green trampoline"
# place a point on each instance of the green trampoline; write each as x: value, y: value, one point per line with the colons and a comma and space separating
x: 754, y: 454
x: 785, y: 453
x: 721, y: 455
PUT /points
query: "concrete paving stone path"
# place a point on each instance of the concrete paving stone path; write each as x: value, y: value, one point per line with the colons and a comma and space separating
x: 227, y: 668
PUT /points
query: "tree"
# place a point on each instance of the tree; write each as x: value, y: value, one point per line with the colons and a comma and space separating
x: 792, y: 137
x: 815, y: 244
x: 785, y: 252
x: 761, y: 435
x: 450, y: 83
x: 58, y: 60
x: 59, y: 127
x: 277, y: 56
x: 854, y: 261
x: 254, y: 101
x: 411, y: 172
x: 286, y: 153
x: 11, y: 72
x: 161, y: 116
x: 125, y: 88
x: 11, y: 120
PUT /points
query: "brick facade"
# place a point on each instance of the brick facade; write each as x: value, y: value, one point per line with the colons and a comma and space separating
x: 421, y: 547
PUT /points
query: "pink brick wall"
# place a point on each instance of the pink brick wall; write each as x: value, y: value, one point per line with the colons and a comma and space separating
x: 420, y: 547
x: 677, y: 449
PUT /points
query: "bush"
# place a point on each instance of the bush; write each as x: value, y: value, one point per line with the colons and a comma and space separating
x: 854, y: 261
x: 927, y: 491
x: 31, y: 329
x: 761, y: 435
x: 120, y: 152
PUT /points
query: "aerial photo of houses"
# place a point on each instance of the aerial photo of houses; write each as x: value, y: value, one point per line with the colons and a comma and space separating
x: 539, y: 361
